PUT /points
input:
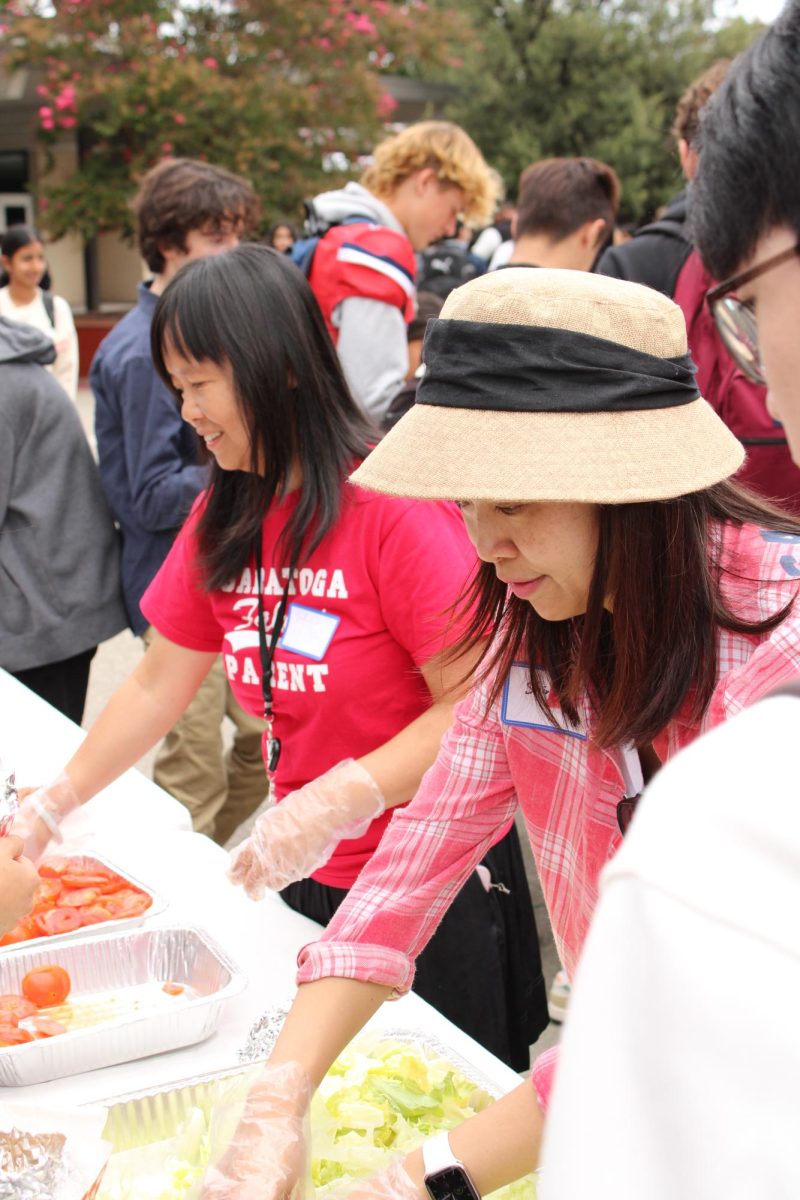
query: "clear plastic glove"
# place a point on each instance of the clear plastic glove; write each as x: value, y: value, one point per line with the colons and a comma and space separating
x: 41, y: 812
x: 267, y: 1157
x: 392, y: 1184
x: 19, y: 880
x: 295, y: 837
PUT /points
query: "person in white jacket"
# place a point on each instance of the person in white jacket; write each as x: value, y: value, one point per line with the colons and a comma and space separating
x: 681, y: 1053
x: 22, y: 299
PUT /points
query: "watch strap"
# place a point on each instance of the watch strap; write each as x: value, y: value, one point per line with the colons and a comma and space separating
x: 437, y: 1155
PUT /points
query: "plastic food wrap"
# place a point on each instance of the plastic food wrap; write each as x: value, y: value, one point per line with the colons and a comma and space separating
x: 9, y: 801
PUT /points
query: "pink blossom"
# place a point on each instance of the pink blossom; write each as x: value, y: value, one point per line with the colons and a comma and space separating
x: 68, y: 122
x: 48, y: 124
x: 324, y: 43
x: 362, y: 24
x: 211, y: 63
x: 66, y: 98
x: 45, y: 113
x: 386, y: 105
x: 42, y: 90
x: 76, y: 75
x: 167, y: 147
x: 180, y: 119
x: 381, y: 7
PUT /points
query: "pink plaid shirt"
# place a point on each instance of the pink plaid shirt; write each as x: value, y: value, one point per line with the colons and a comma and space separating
x: 567, y: 790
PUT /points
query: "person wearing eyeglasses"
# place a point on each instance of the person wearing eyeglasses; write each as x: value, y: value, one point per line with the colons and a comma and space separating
x: 680, y: 1060
x: 633, y: 596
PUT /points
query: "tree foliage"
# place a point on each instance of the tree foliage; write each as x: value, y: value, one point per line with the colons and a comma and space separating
x: 595, y: 77
x: 269, y: 88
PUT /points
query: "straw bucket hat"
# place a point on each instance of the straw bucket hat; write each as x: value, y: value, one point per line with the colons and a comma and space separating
x: 553, y: 385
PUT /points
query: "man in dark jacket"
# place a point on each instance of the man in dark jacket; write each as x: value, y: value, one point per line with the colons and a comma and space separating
x: 151, y: 475
x: 59, y: 565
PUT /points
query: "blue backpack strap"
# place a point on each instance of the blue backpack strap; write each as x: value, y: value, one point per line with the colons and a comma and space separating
x: 304, y: 249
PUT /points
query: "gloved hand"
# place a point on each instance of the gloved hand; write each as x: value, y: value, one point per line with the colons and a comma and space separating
x: 267, y: 1157
x: 40, y: 813
x: 298, y: 835
x: 392, y: 1184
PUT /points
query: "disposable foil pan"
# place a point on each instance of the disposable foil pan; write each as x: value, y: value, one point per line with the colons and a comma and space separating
x: 114, y: 962
x: 154, y: 1115
x: 103, y: 927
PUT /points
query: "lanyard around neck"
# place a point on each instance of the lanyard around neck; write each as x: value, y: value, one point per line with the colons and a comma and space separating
x: 267, y: 653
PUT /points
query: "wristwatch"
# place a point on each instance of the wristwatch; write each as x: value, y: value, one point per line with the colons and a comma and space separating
x: 446, y: 1178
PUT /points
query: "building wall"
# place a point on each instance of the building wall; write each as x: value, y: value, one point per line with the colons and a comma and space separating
x: 120, y: 270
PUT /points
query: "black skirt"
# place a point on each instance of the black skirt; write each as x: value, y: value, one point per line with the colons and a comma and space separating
x: 482, y: 968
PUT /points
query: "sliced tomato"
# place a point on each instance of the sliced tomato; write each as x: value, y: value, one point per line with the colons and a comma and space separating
x: 127, y: 903
x: 23, y: 931
x: 114, y: 883
x: 11, y: 1035
x: 173, y: 989
x: 58, y: 920
x: 94, y: 914
x: 53, y: 868
x: 14, y: 1008
x: 87, y: 879
x: 46, y: 895
x: 45, y: 1026
x: 46, y: 985
x: 77, y: 898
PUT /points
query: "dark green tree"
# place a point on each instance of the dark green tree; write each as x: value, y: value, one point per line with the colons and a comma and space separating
x: 595, y: 77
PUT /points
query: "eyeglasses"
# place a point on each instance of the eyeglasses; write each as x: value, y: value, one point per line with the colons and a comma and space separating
x: 625, y: 810
x: 736, y: 319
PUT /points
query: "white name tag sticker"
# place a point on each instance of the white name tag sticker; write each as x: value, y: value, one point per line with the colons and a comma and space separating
x: 520, y: 707
x: 308, y: 631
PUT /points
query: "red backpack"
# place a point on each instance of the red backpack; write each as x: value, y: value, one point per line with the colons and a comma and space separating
x: 769, y: 468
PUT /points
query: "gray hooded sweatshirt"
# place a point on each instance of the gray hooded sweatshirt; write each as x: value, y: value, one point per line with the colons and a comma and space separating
x: 59, y: 570
x: 373, y: 340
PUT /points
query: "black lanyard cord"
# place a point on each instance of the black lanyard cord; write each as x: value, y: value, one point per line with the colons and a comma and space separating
x: 267, y: 653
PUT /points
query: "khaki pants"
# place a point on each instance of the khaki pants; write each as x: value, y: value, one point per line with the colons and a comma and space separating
x: 220, y: 790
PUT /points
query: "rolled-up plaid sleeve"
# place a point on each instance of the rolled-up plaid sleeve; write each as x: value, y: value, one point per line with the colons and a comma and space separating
x: 425, y: 856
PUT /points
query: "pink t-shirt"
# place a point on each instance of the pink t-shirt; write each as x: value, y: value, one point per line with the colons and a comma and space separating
x: 365, y: 612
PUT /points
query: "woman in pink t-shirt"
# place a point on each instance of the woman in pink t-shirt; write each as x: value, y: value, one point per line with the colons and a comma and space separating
x: 634, y: 598
x: 331, y: 607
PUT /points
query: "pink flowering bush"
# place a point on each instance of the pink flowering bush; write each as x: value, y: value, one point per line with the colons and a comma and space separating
x: 267, y: 88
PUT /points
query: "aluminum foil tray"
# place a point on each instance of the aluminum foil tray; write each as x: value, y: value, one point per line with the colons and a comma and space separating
x: 141, y: 1118
x: 113, y: 926
x: 103, y: 963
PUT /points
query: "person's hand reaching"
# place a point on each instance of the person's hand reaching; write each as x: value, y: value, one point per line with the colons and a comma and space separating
x: 41, y: 812
x: 393, y: 1183
x: 267, y: 1158
x: 296, y: 836
x: 19, y: 880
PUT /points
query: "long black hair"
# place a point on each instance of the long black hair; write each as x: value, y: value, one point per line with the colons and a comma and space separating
x: 667, y: 573
x: 253, y: 309
x: 14, y: 238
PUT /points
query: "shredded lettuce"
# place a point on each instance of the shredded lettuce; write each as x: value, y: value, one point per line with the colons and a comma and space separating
x: 381, y: 1098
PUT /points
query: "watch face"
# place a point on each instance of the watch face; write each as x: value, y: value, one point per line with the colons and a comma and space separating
x: 451, y: 1184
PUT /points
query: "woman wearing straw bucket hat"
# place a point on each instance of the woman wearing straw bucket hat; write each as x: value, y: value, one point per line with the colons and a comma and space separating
x: 633, y: 597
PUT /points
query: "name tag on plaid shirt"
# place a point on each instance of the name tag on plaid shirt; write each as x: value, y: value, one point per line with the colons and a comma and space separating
x: 519, y: 706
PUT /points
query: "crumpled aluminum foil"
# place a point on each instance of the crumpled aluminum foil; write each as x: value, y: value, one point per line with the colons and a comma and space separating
x: 32, y: 1165
x: 9, y: 801
x: 263, y: 1034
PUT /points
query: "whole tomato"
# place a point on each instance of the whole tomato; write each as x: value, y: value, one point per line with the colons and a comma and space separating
x: 46, y: 985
